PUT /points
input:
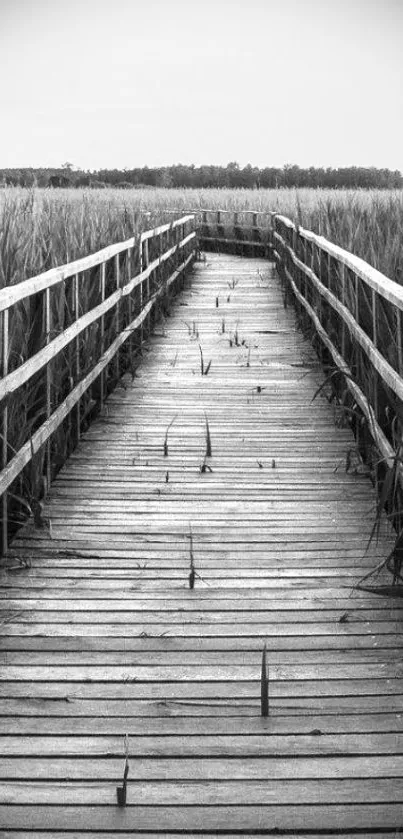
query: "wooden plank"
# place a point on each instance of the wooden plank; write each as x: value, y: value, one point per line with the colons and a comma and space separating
x: 207, y: 793
x: 21, y: 709
x: 140, y: 818
x: 308, y: 639
x: 207, y: 746
x: 223, y: 691
x: 213, y: 769
x: 192, y: 725
x: 60, y: 834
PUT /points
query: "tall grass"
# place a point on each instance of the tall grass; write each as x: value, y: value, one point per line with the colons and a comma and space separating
x: 42, y: 228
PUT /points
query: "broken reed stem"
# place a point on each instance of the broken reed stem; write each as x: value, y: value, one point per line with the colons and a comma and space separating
x: 192, y: 572
x: 208, y: 439
x: 201, y: 361
x: 264, y: 686
x: 166, y: 436
x: 121, y: 792
x: 204, y: 370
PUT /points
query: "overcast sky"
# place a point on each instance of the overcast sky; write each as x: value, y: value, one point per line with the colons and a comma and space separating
x: 125, y: 83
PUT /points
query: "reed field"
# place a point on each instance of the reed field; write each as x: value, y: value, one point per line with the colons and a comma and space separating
x: 42, y: 228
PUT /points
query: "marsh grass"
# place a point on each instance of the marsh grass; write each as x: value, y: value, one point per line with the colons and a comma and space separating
x: 41, y: 228
x: 192, y: 570
x: 204, y: 369
x: 166, y: 435
x: 264, y: 685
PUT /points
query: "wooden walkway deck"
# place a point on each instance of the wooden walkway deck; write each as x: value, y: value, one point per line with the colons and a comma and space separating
x: 102, y: 637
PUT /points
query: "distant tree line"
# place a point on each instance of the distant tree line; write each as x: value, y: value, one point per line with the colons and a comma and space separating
x: 229, y: 177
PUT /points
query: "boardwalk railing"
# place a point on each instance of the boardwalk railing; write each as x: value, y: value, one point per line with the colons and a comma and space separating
x: 357, y: 313
x: 245, y: 232
x: 81, y: 325
x: 86, y: 321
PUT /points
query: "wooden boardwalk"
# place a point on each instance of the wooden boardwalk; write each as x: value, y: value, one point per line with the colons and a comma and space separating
x: 105, y: 648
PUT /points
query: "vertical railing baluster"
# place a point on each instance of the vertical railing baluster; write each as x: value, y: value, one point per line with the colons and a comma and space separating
x: 205, y: 228
x: 102, y: 331
x: 398, y: 315
x: 358, y: 371
x: 375, y: 374
x: 255, y: 232
x: 375, y: 341
x: 319, y: 275
x: 141, y: 291
x: 129, y: 269
x: 76, y: 289
x: 48, y: 327
x: 161, y: 268
x: 117, y: 318
x: 4, y: 445
x: 305, y: 260
x: 342, y: 274
x: 146, y: 260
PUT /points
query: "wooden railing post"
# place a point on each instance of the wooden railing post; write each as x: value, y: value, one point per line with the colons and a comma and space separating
x: 145, y: 264
x: 117, y: 321
x: 342, y: 275
x: 399, y: 342
x: 48, y: 387
x: 357, y: 319
x: 205, y: 227
x: 375, y: 342
x: 141, y: 292
x: 102, y: 330
x: 4, y: 430
x: 76, y: 281
x: 130, y: 305
x: 255, y: 229
x: 305, y: 259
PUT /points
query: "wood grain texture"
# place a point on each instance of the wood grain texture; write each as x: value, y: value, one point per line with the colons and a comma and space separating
x: 102, y: 638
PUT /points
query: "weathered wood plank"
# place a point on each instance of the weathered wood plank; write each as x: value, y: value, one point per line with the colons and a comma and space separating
x: 289, y: 724
x: 260, y: 745
x: 140, y: 818
x: 213, y: 769
x: 207, y: 793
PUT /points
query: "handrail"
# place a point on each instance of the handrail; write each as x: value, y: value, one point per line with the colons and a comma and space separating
x: 375, y: 279
x: 12, y: 294
x: 23, y: 373
x: 164, y: 253
x: 356, y: 311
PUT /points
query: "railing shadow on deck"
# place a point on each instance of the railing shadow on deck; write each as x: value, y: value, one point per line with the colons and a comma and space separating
x: 88, y: 321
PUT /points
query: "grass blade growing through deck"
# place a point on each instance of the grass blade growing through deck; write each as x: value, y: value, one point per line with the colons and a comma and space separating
x: 166, y: 436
